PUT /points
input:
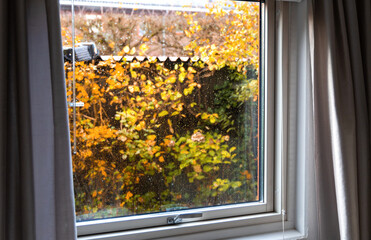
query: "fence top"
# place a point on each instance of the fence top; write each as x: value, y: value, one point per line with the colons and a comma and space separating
x: 158, y: 58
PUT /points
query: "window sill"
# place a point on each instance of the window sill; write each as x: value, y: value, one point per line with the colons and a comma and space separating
x: 289, y: 235
x: 250, y: 227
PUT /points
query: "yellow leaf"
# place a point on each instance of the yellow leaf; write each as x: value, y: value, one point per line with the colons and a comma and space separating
x: 161, y: 159
x: 172, y: 79
x: 143, y: 48
x: 212, y: 119
x: 187, y: 33
x: 170, y: 126
x: 126, y: 49
x: 182, y: 77
x: 191, y: 70
x: 163, y: 113
x: 132, y: 51
x: 151, y: 137
x: 204, y: 116
x: 131, y: 89
x: 135, y: 64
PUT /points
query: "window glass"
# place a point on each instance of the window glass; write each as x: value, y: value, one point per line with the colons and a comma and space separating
x: 164, y: 104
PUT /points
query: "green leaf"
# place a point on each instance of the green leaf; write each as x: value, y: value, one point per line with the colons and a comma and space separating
x: 224, y: 187
x: 207, y: 168
x: 236, y: 184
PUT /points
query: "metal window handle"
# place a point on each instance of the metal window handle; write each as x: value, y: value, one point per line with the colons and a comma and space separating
x: 75, y: 104
x: 179, y: 218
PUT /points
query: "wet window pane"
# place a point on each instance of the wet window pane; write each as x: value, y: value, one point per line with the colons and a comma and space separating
x: 167, y: 104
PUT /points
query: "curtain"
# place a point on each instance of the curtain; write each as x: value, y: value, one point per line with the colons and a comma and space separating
x: 36, y: 190
x: 340, y: 44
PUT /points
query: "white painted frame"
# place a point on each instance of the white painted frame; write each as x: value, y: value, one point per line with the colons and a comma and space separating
x: 240, y: 219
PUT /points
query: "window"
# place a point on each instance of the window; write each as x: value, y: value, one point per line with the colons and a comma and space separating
x: 168, y: 126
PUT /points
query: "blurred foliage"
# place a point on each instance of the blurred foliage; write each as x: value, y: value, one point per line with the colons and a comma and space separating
x: 155, y: 137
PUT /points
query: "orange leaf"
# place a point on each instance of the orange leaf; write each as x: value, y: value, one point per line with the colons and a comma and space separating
x: 128, y: 195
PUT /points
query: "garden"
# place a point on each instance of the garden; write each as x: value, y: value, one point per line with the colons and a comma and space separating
x: 160, y: 135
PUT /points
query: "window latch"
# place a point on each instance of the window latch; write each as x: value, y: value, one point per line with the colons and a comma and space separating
x: 188, y: 217
x: 76, y: 104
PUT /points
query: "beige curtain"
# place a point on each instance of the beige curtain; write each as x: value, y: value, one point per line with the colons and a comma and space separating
x: 340, y: 36
x: 36, y: 190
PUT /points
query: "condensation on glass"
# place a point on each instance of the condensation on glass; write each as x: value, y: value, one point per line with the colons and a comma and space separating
x: 167, y: 104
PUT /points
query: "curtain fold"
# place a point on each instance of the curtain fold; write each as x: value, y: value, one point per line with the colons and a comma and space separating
x: 341, y: 58
x: 35, y: 161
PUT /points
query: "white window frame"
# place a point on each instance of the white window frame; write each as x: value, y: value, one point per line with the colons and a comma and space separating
x: 280, y: 181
